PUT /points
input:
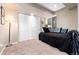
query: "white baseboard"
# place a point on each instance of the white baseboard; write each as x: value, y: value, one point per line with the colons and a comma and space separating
x: 1, y: 45
x: 14, y: 42
x: 2, y: 50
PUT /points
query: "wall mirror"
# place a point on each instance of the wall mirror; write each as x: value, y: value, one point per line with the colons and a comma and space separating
x: 52, y: 22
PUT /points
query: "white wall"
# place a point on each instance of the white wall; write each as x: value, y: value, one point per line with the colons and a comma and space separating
x: 67, y: 18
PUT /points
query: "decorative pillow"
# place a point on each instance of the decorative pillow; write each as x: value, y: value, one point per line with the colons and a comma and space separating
x: 60, y: 30
x: 54, y: 30
x: 64, y: 30
x: 57, y: 30
x: 51, y: 30
x: 46, y: 29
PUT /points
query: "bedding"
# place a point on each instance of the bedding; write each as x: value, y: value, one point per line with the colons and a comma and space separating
x: 58, y: 40
x: 32, y: 47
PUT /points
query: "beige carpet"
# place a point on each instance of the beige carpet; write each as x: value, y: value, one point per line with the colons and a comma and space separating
x: 32, y: 47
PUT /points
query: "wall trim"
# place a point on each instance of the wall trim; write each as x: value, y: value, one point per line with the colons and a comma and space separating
x: 14, y: 42
x: 2, y: 50
x: 1, y: 45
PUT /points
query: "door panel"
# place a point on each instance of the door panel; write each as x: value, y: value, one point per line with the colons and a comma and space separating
x: 29, y: 27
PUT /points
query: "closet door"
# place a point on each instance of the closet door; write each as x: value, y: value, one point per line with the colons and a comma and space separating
x: 29, y: 27
x: 23, y: 27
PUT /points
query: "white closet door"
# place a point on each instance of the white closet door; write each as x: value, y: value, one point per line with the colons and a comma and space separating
x: 29, y: 27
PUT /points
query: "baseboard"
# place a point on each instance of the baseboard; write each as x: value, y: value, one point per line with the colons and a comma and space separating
x: 1, y: 45
x: 2, y: 50
x: 14, y: 43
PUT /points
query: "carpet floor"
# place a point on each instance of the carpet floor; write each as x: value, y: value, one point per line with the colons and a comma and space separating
x: 32, y: 47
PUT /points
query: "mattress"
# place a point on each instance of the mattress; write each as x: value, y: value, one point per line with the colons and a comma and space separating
x: 32, y: 47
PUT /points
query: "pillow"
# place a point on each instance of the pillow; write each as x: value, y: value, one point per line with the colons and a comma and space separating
x: 46, y: 29
x: 60, y: 30
x: 57, y: 30
x: 54, y: 30
x: 64, y: 30
x: 51, y: 30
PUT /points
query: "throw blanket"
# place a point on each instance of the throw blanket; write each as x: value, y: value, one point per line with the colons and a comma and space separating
x: 74, y: 43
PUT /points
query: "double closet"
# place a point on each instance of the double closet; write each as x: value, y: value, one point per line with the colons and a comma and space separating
x: 29, y: 27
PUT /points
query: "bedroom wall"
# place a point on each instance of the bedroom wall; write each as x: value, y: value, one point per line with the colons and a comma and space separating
x: 12, y: 11
x: 67, y: 18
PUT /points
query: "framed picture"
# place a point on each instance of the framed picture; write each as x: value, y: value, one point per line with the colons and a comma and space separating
x: 2, y: 15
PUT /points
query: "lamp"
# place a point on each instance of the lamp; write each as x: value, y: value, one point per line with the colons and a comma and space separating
x: 2, y: 14
x: 9, y: 41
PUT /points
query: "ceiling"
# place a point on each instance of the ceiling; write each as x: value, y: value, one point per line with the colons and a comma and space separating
x: 71, y: 5
x: 53, y: 6
x: 57, y: 6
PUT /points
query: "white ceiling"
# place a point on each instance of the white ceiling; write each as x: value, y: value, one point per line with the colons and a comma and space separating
x: 52, y: 6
